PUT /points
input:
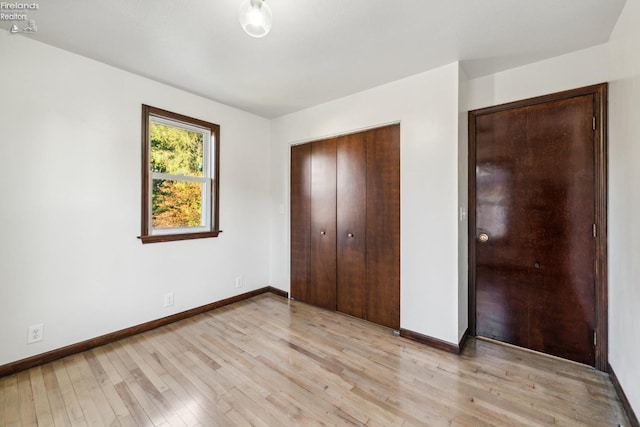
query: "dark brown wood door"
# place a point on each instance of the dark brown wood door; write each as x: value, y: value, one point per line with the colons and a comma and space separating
x: 351, y: 208
x: 345, y: 224
x: 300, y: 221
x: 535, y: 210
x: 322, y: 282
x: 383, y: 226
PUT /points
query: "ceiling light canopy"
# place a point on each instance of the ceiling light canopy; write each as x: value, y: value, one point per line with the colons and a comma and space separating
x: 255, y: 17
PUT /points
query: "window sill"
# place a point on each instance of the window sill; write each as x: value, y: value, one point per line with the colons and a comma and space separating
x: 174, y: 237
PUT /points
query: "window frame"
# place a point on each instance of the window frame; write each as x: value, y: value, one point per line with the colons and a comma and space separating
x: 210, y: 178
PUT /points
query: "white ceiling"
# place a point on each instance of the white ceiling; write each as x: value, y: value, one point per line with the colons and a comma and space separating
x: 318, y: 50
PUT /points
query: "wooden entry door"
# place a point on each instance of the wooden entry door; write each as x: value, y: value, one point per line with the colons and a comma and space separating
x: 537, y: 210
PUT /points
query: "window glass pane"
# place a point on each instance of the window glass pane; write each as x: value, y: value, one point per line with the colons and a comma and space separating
x: 176, y: 204
x: 176, y: 151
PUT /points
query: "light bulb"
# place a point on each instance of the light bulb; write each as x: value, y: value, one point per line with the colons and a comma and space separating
x: 255, y: 17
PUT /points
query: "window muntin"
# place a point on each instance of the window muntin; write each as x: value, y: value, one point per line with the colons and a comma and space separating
x: 180, y: 158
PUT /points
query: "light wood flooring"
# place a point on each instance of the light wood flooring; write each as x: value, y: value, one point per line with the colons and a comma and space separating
x: 270, y: 361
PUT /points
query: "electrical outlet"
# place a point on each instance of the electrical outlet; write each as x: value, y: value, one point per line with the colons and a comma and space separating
x: 36, y: 333
x: 239, y: 282
x: 168, y: 299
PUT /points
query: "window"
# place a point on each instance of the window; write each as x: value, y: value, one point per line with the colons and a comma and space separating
x: 180, y: 159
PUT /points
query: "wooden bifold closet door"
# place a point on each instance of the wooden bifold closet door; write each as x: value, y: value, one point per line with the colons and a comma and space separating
x: 345, y: 224
x: 322, y: 288
x: 352, y: 203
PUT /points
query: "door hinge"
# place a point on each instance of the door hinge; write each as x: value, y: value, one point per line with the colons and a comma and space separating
x: 594, y: 122
x: 595, y: 338
x: 595, y: 230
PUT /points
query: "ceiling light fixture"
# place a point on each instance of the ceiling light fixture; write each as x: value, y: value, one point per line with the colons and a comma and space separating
x: 255, y: 17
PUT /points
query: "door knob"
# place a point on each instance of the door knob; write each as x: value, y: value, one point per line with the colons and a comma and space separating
x: 323, y: 232
x: 350, y: 234
x: 483, y: 237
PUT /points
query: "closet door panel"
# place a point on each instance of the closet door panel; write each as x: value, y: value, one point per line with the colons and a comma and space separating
x: 300, y: 221
x: 322, y: 289
x: 383, y: 226
x: 351, y: 268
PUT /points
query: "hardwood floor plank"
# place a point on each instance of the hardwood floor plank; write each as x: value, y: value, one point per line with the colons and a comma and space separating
x: 93, y: 377
x: 525, y: 383
x: 54, y: 393
x: 69, y: 397
x: 11, y: 401
x: 179, y: 396
x: 26, y: 403
x: 252, y: 412
x: 103, y: 369
x: 92, y: 414
x: 137, y: 412
x: 203, y: 393
x: 173, y: 407
x: 139, y: 392
x: 40, y: 398
x: 270, y: 361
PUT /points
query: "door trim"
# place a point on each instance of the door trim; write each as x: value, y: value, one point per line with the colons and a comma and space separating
x: 599, y: 93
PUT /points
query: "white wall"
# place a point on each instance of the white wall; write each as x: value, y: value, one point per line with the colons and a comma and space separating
x: 577, y: 69
x: 624, y: 202
x: 426, y: 105
x: 70, y: 202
